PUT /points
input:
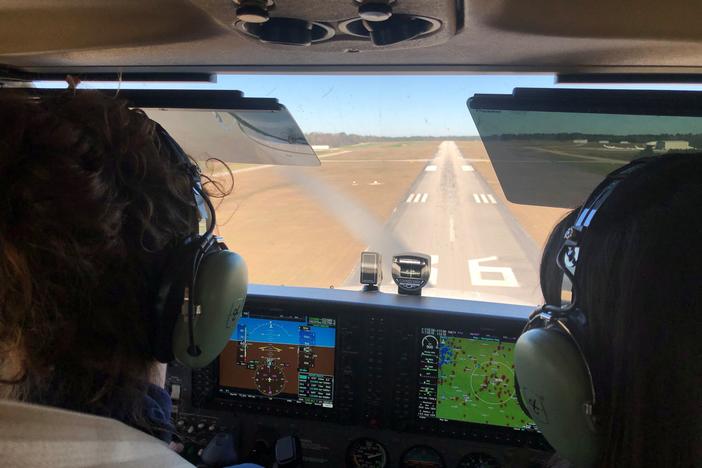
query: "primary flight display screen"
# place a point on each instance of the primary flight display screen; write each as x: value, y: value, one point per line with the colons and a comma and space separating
x: 468, y: 377
x: 285, y: 357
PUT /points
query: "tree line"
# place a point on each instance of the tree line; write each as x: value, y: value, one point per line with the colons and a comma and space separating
x: 346, y: 139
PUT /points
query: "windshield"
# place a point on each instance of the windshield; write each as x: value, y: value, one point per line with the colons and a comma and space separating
x: 402, y: 170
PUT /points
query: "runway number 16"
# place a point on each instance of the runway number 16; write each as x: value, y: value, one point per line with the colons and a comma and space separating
x: 507, y: 280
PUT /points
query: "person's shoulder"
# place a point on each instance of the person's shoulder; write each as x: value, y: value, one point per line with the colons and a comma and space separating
x: 35, y: 435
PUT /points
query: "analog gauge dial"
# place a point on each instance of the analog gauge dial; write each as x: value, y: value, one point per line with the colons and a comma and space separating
x: 422, y: 456
x: 478, y: 460
x: 270, y: 379
x: 430, y: 342
x: 366, y: 453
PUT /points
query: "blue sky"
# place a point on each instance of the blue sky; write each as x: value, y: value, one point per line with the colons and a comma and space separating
x: 399, y: 105
x: 381, y: 105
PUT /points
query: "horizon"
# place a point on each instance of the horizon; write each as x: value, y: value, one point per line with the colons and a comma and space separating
x: 379, y: 106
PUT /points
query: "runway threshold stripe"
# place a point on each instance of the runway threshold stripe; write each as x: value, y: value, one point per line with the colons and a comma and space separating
x: 417, y: 198
x: 492, y: 199
x: 476, y: 198
x: 467, y: 168
x: 483, y: 198
x: 430, y: 168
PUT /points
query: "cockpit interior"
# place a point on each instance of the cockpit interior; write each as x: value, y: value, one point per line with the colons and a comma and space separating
x: 393, y: 170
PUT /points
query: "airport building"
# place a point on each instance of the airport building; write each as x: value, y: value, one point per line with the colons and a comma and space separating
x: 669, y: 145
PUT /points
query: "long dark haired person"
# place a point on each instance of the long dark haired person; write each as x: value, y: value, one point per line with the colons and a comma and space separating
x: 612, y: 373
x: 102, y: 217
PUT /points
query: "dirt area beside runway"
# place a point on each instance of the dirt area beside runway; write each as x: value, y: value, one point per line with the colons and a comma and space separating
x: 287, y: 235
x: 537, y: 221
x: 388, y: 151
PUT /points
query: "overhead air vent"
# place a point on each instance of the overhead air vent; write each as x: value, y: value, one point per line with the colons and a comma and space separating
x: 397, y: 28
x: 348, y: 25
x: 287, y: 31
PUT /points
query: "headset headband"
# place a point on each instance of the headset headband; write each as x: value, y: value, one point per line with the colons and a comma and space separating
x: 567, y: 258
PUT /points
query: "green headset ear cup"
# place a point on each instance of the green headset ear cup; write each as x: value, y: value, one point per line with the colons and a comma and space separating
x: 555, y: 387
x: 220, y: 292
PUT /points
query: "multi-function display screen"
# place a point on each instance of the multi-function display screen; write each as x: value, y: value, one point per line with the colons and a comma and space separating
x: 286, y: 357
x: 469, y: 377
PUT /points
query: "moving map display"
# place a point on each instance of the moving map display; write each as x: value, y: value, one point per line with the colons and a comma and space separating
x: 469, y: 377
x: 289, y: 358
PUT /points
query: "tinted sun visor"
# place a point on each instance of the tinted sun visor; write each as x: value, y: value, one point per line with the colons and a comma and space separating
x: 551, y: 147
x: 225, y: 125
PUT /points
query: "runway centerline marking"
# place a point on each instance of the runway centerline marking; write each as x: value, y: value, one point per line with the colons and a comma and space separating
x: 467, y: 168
x: 430, y: 168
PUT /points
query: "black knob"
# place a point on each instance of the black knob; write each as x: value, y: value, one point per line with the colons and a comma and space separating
x: 290, y: 31
x: 221, y: 451
x: 396, y: 29
x: 288, y: 452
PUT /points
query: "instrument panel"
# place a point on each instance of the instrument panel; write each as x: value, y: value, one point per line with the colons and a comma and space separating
x: 372, y: 381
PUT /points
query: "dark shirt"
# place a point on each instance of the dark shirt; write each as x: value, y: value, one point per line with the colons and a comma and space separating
x: 157, y: 410
x: 156, y: 413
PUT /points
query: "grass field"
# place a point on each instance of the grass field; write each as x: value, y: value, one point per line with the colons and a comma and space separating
x: 476, y: 382
x: 281, y: 221
x: 388, y: 151
x: 593, y: 158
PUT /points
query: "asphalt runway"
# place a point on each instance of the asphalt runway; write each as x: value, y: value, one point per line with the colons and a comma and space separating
x: 478, y: 249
